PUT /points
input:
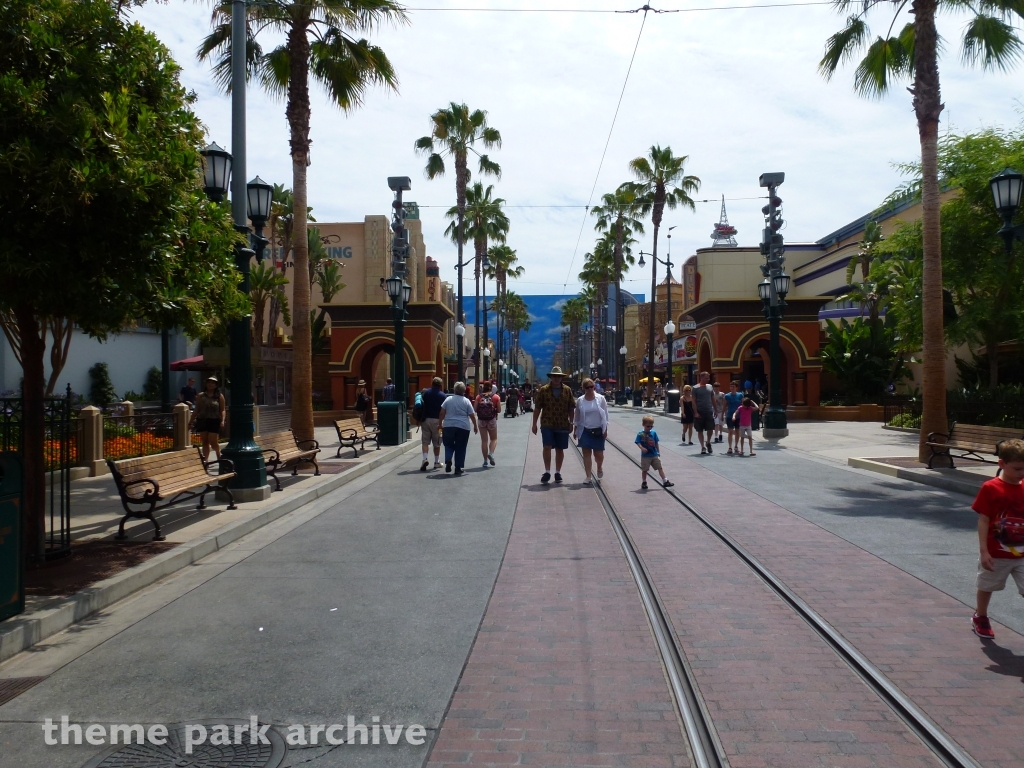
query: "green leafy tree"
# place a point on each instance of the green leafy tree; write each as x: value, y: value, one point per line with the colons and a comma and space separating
x: 865, y: 359
x: 106, y: 222
x: 988, y: 40
x: 153, y: 388
x: 101, y: 388
x: 661, y: 182
x: 319, y: 43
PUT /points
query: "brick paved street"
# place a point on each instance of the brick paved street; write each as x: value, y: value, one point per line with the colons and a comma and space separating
x: 565, y: 670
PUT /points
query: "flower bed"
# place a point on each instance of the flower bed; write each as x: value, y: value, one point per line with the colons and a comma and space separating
x: 140, y: 444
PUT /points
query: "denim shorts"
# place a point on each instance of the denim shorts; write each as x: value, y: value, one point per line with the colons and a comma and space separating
x: 593, y: 443
x: 555, y: 438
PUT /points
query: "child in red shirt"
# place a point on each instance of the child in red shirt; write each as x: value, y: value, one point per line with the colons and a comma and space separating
x: 1000, y: 508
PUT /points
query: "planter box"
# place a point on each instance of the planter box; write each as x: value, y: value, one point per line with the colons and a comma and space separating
x: 863, y: 412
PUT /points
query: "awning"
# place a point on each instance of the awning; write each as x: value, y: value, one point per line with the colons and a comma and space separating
x: 191, y: 364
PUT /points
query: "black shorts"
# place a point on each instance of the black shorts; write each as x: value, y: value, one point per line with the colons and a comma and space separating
x: 208, y: 425
x: 704, y: 423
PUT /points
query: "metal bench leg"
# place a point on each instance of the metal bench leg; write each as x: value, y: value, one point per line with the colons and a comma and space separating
x: 316, y: 467
x: 121, y: 535
x: 157, y: 536
x: 231, y: 497
x: 272, y: 471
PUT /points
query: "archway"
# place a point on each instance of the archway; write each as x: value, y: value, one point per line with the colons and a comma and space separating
x: 704, y: 356
x: 759, y: 366
x: 369, y: 366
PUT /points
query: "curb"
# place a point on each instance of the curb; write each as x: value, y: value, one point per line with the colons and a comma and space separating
x: 923, y: 476
x: 20, y: 633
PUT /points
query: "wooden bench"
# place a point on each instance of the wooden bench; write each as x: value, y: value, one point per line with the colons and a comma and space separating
x: 165, y: 477
x: 282, y: 450
x: 973, y: 441
x: 352, y: 432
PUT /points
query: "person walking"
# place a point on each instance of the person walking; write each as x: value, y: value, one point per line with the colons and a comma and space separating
x: 430, y: 427
x: 688, y: 414
x: 188, y: 393
x: 719, y: 411
x: 704, y: 411
x: 487, y: 405
x: 208, y: 417
x: 363, y: 402
x: 388, y: 395
x: 591, y: 422
x: 554, y: 406
x: 456, y: 418
x: 733, y: 400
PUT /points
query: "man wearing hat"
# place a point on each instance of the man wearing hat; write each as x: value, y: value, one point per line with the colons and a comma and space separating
x: 554, y: 407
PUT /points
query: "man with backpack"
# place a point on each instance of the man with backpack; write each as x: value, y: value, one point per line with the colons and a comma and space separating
x: 487, y: 406
x: 426, y: 412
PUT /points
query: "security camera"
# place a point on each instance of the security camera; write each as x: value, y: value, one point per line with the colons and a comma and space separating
x: 399, y: 183
x: 767, y: 179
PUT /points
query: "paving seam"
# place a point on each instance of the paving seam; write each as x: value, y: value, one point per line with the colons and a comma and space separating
x: 26, y: 630
x: 714, y: 625
x: 912, y: 642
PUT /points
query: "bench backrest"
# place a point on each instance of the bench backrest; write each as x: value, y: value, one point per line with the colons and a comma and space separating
x: 343, y: 424
x: 978, y: 436
x: 161, y: 466
x: 278, y: 441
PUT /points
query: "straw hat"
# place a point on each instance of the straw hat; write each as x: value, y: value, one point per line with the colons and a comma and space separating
x: 361, y: 383
x: 555, y: 371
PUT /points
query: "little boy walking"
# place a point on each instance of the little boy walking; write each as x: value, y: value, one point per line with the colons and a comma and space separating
x: 650, y: 456
x: 1000, y: 508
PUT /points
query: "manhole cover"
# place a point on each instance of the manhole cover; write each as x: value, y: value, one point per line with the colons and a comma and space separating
x: 172, y: 754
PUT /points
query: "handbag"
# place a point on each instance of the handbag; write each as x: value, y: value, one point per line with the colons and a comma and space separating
x: 594, y: 431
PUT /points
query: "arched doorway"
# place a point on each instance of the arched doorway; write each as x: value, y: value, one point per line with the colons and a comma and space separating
x: 373, y: 364
x: 704, y: 357
x: 761, y: 367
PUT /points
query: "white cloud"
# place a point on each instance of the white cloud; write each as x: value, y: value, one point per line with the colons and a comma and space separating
x: 737, y: 91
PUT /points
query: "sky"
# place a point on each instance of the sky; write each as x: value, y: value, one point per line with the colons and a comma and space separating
x: 736, y: 90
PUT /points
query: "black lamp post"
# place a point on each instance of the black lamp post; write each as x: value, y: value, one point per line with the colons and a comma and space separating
x: 772, y: 291
x: 250, y: 481
x: 1006, y: 191
x: 668, y: 309
x: 399, y: 291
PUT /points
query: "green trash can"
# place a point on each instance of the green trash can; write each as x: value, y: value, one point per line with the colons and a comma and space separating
x: 391, y: 422
x: 12, y: 556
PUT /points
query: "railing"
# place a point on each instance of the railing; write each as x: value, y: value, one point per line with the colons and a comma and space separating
x: 60, y: 453
x: 126, y: 437
x: 905, y: 411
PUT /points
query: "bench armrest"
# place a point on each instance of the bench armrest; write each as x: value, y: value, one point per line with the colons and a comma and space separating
x: 275, y: 459
x: 154, y: 491
x: 314, y: 445
x: 226, y: 466
x: 347, y: 434
x: 933, y: 435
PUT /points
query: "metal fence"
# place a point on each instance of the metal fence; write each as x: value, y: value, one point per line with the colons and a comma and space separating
x: 905, y: 411
x: 140, y: 434
x: 60, y: 453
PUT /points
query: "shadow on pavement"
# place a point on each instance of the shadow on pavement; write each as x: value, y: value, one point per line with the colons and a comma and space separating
x: 1006, y: 662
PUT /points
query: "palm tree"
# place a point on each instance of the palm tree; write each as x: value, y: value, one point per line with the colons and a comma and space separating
x: 598, y: 271
x: 483, y: 221
x: 455, y: 131
x: 574, y: 315
x: 319, y: 42
x: 265, y: 283
x: 661, y: 182
x: 988, y: 39
x: 502, y: 266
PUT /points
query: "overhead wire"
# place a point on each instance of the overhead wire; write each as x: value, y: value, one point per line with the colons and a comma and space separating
x: 645, y: 8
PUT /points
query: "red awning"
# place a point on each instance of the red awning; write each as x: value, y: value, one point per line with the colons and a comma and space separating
x: 190, y: 364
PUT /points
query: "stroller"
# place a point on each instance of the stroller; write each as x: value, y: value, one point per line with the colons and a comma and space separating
x: 511, y: 406
x: 527, y: 403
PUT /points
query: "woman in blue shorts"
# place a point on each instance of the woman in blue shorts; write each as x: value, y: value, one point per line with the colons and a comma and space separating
x: 591, y: 425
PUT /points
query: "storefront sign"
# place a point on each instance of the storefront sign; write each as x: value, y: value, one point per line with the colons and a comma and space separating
x: 684, y: 349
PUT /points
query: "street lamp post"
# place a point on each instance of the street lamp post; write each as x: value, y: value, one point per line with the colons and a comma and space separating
x: 250, y: 480
x: 772, y: 291
x: 655, y: 260
x: 398, y: 289
x: 1006, y: 192
x: 620, y: 392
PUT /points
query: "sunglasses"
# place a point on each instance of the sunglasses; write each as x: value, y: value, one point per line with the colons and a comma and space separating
x: 590, y: 386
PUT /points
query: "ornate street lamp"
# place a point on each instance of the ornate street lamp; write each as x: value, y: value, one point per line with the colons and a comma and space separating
x: 1006, y: 192
x: 772, y: 291
x: 216, y: 172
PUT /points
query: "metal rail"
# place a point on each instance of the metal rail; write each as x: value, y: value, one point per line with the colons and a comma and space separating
x: 938, y: 741
x: 704, y: 747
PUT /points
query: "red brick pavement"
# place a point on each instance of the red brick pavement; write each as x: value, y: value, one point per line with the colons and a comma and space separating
x: 564, y: 670
x: 916, y: 634
x: 779, y: 697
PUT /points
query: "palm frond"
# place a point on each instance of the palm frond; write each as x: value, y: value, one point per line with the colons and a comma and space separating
x: 435, y: 166
x: 489, y: 166
x: 991, y: 42
x: 884, y: 60
x: 843, y: 46
x: 275, y: 72
x: 347, y: 68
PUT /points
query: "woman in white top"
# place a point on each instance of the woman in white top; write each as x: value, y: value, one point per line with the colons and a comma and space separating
x: 457, y: 416
x: 591, y: 424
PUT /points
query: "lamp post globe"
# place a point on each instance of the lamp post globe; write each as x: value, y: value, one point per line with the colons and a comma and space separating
x: 394, y: 286
x: 1006, y: 191
x: 781, y: 283
x: 406, y: 294
x: 216, y: 172
x: 259, y: 195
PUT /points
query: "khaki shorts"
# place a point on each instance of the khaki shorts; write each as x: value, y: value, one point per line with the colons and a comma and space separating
x: 488, y: 427
x: 646, y: 462
x: 430, y: 433
x: 995, y: 580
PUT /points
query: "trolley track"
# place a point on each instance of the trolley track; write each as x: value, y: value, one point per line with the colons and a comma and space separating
x: 698, y: 726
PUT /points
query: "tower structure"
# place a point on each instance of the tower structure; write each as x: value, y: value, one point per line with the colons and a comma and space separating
x: 724, y: 234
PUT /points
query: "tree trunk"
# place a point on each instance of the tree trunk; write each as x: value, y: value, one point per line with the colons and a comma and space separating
x: 653, y: 304
x: 298, y: 112
x: 33, y: 347
x: 927, y: 107
x: 992, y: 350
x: 61, y: 330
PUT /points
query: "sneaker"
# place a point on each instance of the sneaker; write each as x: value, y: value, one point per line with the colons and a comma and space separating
x: 710, y: 449
x: 729, y: 452
x: 545, y: 478
x: 447, y: 466
x: 437, y: 465
x: 423, y: 466
x: 644, y: 486
x: 490, y: 458
x: 982, y: 627
x: 690, y: 443
x: 485, y: 464
x: 667, y: 484
x: 558, y: 477
x: 703, y: 450
x: 458, y: 470
x: 600, y: 474
x: 588, y: 482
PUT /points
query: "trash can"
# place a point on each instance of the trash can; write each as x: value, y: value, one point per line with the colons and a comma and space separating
x: 672, y: 401
x: 391, y: 422
x: 638, y: 399
x: 12, y: 556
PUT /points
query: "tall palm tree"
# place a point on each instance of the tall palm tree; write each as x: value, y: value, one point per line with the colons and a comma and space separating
x: 661, y: 182
x: 502, y: 266
x: 319, y: 43
x: 483, y: 221
x: 597, y: 273
x: 574, y: 315
x: 265, y: 282
x: 988, y: 39
x: 455, y: 132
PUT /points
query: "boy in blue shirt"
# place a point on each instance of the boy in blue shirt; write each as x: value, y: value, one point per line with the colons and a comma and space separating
x: 733, y: 400
x: 650, y: 456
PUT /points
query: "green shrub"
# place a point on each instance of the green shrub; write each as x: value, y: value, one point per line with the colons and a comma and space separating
x: 101, y: 388
x: 153, y: 389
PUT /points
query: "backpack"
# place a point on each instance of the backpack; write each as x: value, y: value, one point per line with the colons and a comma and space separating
x: 485, y: 408
x: 417, y: 409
